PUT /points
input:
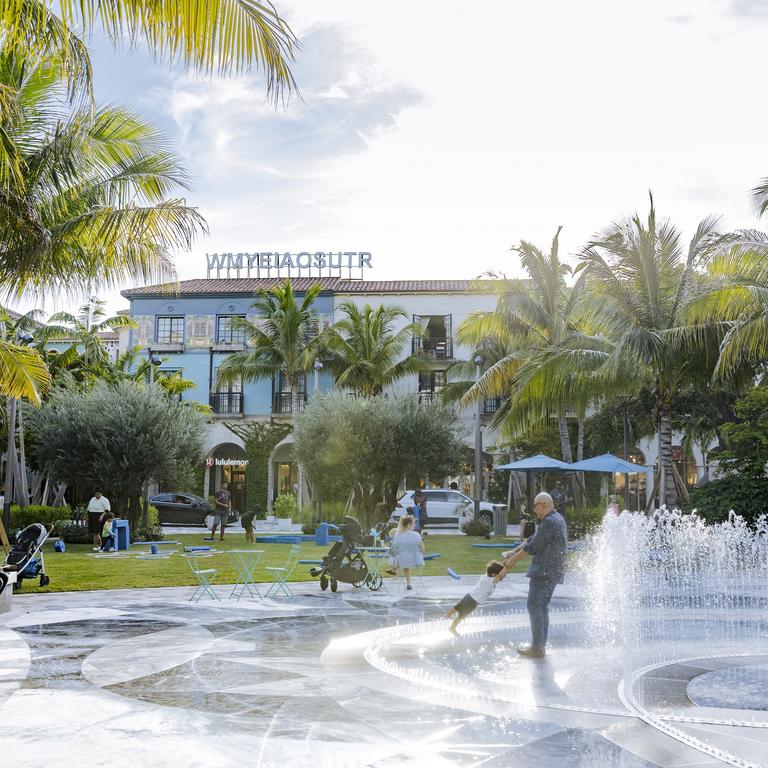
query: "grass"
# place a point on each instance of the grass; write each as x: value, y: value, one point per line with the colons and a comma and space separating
x: 75, y: 570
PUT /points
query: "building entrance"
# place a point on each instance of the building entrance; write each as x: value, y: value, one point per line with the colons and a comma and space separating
x: 227, y: 464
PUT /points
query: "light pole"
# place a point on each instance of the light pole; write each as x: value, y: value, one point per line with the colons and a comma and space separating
x: 478, y: 442
x: 318, y: 366
x: 154, y: 361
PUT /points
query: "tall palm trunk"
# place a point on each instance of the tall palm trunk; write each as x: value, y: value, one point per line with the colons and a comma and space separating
x: 668, y: 490
x: 580, y: 457
x: 23, y: 481
x: 565, y: 447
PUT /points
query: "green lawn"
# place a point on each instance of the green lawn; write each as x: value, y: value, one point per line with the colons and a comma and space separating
x: 75, y: 570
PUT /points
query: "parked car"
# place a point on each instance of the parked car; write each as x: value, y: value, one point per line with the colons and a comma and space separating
x: 183, y: 509
x: 446, y: 507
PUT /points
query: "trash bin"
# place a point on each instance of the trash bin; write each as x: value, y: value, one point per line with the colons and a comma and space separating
x: 499, y: 522
x: 122, y: 534
x: 321, y: 534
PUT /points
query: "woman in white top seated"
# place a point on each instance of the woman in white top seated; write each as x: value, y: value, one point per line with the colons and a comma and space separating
x: 407, y: 550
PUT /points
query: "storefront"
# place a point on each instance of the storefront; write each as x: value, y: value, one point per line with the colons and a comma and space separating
x: 226, y: 464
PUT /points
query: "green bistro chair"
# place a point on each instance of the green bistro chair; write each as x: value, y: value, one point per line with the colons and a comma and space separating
x: 204, y: 576
x: 281, y: 574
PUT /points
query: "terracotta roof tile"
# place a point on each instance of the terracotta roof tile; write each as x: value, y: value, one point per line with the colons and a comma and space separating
x: 250, y: 285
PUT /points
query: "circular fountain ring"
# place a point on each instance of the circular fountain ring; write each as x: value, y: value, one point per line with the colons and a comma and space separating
x: 390, y: 649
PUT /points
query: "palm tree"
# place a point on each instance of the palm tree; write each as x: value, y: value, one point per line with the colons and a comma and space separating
x: 282, y: 341
x: 93, y: 207
x: 23, y: 373
x: 735, y: 299
x: 363, y: 349
x: 85, y: 331
x: 532, y: 315
x: 217, y: 36
x: 641, y: 281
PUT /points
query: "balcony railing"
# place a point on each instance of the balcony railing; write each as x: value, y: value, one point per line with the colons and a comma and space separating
x: 282, y: 402
x: 428, y: 396
x: 227, y: 402
x: 433, y: 346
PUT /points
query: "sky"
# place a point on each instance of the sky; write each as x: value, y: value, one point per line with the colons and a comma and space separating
x: 437, y: 135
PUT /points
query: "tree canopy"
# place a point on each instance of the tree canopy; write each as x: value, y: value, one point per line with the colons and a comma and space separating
x: 116, y: 437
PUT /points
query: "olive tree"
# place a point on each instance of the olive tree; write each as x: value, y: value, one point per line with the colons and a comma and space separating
x: 370, y: 444
x: 118, y: 437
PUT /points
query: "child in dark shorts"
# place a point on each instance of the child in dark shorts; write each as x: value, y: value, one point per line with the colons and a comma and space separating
x: 494, y: 573
x: 246, y: 520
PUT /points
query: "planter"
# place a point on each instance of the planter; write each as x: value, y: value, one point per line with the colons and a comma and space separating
x: 284, y: 523
x: 271, y: 518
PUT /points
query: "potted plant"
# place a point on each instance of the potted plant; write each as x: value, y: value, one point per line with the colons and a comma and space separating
x: 284, y: 509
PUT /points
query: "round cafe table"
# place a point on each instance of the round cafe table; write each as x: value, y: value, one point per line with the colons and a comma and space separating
x: 245, y: 562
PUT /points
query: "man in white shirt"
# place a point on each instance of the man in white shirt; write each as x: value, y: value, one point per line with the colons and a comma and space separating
x: 98, y: 506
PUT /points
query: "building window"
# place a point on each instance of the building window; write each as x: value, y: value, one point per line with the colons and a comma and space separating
x: 228, y: 398
x: 282, y: 401
x: 431, y: 384
x: 170, y: 330
x: 437, y: 339
x: 226, y: 333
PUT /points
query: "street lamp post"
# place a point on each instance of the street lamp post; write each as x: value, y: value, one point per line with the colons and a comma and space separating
x: 478, y: 443
x: 318, y: 366
x: 154, y: 361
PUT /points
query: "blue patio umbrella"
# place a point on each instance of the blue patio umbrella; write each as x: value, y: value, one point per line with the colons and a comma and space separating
x: 539, y: 463
x: 610, y: 463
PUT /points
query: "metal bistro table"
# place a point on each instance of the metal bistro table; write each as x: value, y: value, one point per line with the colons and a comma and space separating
x: 245, y: 562
x: 376, y: 556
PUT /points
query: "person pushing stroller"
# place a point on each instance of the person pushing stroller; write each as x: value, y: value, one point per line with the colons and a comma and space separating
x: 494, y: 573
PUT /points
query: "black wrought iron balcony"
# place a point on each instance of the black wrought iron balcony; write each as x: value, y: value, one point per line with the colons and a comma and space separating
x: 227, y: 402
x: 428, y: 396
x: 433, y: 346
x: 491, y: 405
x: 282, y: 402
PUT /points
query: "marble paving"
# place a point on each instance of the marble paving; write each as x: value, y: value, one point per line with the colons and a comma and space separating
x: 146, y: 678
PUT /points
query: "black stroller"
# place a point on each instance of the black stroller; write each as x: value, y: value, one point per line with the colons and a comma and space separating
x: 345, y: 563
x: 23, y: 555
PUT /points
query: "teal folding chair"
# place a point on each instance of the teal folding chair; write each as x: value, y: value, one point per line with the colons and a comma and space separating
x: 281, y: 574
x: 204, y: 576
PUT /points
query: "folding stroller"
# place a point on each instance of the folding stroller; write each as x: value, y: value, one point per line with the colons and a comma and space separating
x: 23, y: 557
x: 345, y: 563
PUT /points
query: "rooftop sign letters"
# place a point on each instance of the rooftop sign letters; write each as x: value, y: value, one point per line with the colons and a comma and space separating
x: 347, y: 264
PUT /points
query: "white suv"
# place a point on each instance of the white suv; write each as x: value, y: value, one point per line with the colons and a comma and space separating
x: 446, y: 507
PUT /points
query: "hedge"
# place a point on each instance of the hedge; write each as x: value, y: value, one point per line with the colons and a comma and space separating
x: 22, y: 517
x: 747, y: 496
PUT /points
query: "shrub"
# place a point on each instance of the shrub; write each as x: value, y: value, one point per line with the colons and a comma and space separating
x: 285, y: 505
x: 746, y: 496
x: 309, y: 529
x: 475, y: 528
x: 147, y: 533
x: 21, y: 518
x: 584, y: 521
x: 72, y: 532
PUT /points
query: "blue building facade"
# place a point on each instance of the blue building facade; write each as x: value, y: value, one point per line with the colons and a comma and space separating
x: 189, y: 325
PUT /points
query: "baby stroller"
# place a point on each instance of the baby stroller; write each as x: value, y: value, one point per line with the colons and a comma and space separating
x: 344, y: 563
x: 23, y: 555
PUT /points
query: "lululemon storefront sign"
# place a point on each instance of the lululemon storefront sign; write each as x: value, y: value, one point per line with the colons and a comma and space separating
x: 225, y: 462
x: 350, y: 264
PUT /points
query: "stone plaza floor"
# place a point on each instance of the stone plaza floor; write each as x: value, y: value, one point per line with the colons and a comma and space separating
x: 146, y: 678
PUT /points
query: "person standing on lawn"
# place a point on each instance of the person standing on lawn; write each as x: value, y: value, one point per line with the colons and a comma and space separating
x: 98, y: 506
x: 548, y: 547
x: 221, y: 512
